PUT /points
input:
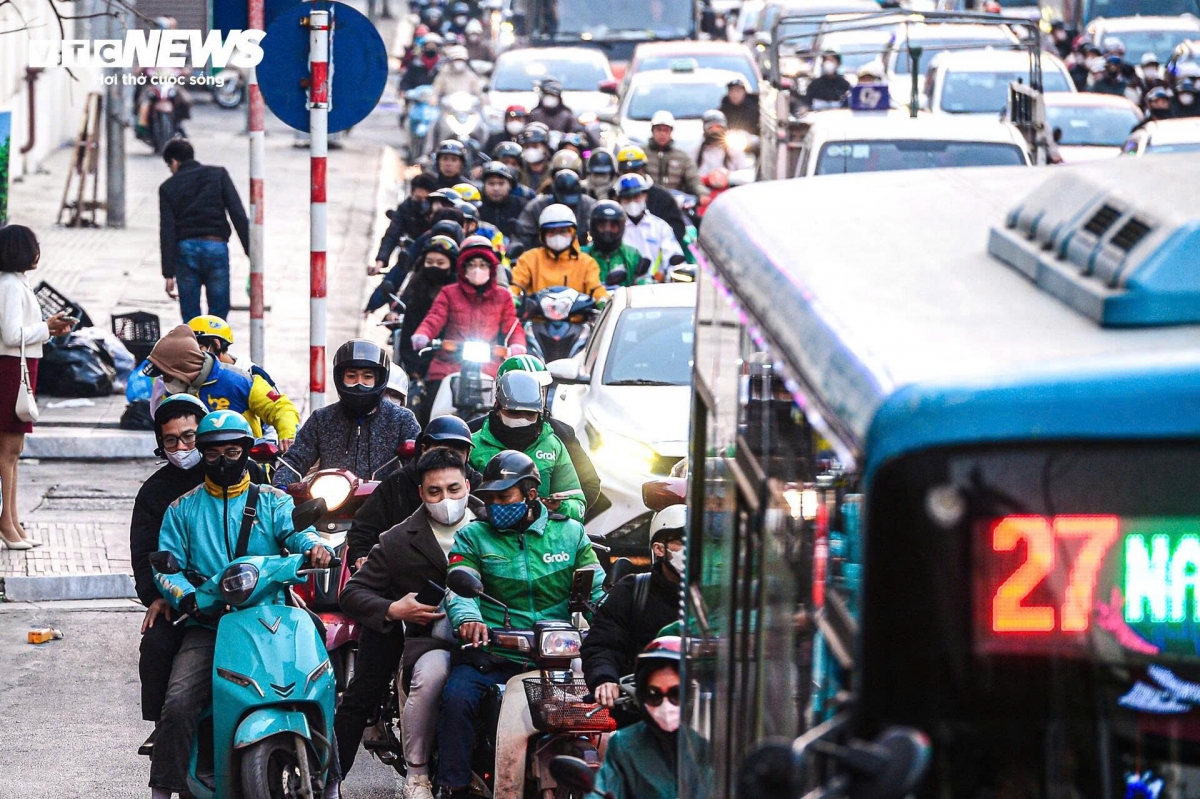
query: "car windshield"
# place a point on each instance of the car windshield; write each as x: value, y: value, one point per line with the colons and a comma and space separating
x: 893, y: 156
x: 684, y: 100
x: 931, y: 47
x: 1182, y: 147
x: 651, y: 347
x: 1094, y: 126
x: 662, y: 18
x: 797, y: 36
x: 1092, y: 9
x: 1161, y: 43
x: 523, y: 74
x: 987, y: 92
x: 856, y: 48
x: 726, y: 61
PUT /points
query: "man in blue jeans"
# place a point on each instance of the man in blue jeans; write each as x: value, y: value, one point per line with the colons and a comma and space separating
x: 194, y: 230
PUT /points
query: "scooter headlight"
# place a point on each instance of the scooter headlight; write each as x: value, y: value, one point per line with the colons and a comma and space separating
x: 737, y: 140
x: 556, y: 308
x: 561, y: 644
x: 476, y: 352
x: 335, y: 488
x: 237, y: 583
x: 464, y: 126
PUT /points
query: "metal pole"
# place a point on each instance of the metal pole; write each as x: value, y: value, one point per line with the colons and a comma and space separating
x: 318, y: 129
x: 114, y: 132
x: 258, y: 156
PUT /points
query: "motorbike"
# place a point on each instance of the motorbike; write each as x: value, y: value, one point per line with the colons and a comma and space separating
x: 467, y: 393
x: 157, y: 116
x: 460, y: 116
x: 561, y: 720
x: 269, y: 731
x: 558, y: 321
x: 230, y: 89
x: 420, y: 114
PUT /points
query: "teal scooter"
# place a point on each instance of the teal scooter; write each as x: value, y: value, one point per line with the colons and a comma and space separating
x: 269, y: 732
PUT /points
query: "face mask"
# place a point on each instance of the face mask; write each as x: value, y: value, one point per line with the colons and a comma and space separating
x: 507, y: 516
x: 599, y: 182
x: 184, y: 458
x: 533, y: 155
x: 226, y: 472
x: 174, y: 386
x: 675, y: 559
x: 439, y: 277
x: 1186, y: 99
x: 1095, y: 64
x: 635, y: 209
x: 460, y: 21
x: 828, y: 68
x: 559, y: 242
x: 550, y: 101
x: 478, y: 277
x: 514, y: 127
x: 448, y: 511
x: 666, y: 715
x: 1151, y: 73
x: 430, y: 52
x: 516, y: 424
x: 458, y: 66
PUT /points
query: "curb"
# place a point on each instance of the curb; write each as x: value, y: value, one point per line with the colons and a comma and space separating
x: 57, y: 443
x: 68, y: 587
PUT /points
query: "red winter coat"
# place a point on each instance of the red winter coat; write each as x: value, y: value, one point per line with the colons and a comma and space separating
x: 462, y: 313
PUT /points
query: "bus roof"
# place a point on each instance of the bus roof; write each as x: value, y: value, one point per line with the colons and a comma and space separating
x: 882, y: 294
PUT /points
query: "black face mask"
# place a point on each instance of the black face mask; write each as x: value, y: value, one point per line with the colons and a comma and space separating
x: 606, y: 240
x: 227, y: 473
x: 518, y: 438
x: 358, y: 400
x: 439, y: 277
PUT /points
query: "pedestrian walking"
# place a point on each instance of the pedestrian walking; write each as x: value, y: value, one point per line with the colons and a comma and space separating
x: 193, y: 205
x: 22, y: 332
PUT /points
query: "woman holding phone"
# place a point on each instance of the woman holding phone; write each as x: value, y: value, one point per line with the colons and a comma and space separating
x: 22, y: 333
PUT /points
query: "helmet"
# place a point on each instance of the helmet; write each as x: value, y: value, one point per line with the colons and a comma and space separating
x: 872, y: 69
x: 737, y: 80
x: 446, y: 430
x: 474, y: 26
x: 468, y: 192
x: 712, y: 118
x: 607, y: 210
x: 556, y: 215
x: 448, y: 228
x: 573, y: 139
x: 433, y: 15
x: 469, y: 210
x: 514, y: 111
x: 460, y: 8
x: 397, y: 382
x: 1113, y: 60
x: 1114, y: 45
x: 631, y: 157
x: 456, y: 52
x: 668, y: 524
x: 663, y: 651
x: 566, y: 187
x: 223, y: 427
x: 448, y: 196
x: 507, y: 149
x: 519, y: 391
x: 1149, y: 58
x: 550, y: 86
x: 452, y: 147
x: 495, y: 169
x: 834, y: 52
x: 536, y: 133
x: 434, y: 38
x: 1157, y: 93
x: 176, y: 405
x: 443, y: 244
x: 362, y: 354
x: 506, y: 469
x: 526, y: 363
x: 632, y: 185
x: 601, y: 162
x: 211, y: 327
x: 478, y: 247
x: 566, y: 159
x: 662, y: 117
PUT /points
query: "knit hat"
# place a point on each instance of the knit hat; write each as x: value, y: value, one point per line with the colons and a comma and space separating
x: 178, y: 355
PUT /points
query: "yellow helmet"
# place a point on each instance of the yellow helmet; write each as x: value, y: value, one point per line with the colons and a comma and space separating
x: 630, y: 157
x: 212, y: 326
x: 468, y: 192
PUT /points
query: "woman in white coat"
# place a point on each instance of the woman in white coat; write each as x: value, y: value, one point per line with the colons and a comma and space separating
x: 20, y: 320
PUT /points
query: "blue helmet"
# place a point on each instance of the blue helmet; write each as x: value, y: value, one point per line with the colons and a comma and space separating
x: 632, y: 184
x: 223, y: 427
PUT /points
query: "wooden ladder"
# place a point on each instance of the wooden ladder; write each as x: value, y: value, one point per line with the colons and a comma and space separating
x: 84, y: 169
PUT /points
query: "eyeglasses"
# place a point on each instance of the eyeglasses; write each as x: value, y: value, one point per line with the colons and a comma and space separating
x: 214, y: 455
x: 171, y: 442
x: 655, y: 697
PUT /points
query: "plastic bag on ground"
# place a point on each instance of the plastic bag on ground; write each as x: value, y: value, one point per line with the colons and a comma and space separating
x: 75, y: 366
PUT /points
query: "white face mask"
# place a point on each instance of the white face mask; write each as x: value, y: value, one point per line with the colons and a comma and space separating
x: 184, y: 458
x: 828, y: 67
x: 533, y: 155
x: 514, y: 127
x: 559, y: 241
x: 1095, y: 64
x: 676, y: 560
x: 1151, y: 73
x: 666, y: 715
x: 458, y: 66
x: 509, y: 421
x: 1186, y: 98
x: 550, y: 101
x: 448, y: 511
x: 634, y: 209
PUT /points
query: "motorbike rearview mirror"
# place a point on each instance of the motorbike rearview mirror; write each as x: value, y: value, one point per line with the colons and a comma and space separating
x: 264, y: 451
x: 307, y: 513
x: 164, y: 562
x: 573, y: 773
x: 566, y: 371
x: 390, y: 214
x: 579, y: 600
x: 464, y: 583
x: 622, y: 568
x: 609, y: 86
x: 616, y: 277
x: 406, y: 450
x: 661, y: 494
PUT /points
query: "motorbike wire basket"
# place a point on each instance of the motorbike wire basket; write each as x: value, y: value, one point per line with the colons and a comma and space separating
x: 555, y: 707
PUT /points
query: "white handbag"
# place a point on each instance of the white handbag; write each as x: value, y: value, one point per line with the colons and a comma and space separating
x: 27, y: 409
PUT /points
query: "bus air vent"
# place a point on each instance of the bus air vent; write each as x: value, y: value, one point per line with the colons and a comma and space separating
x: 1110, y: 243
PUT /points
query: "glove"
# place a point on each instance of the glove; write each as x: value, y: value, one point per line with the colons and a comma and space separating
x: 517, y: 349
x: 187, y: 606
x: 420, y: 342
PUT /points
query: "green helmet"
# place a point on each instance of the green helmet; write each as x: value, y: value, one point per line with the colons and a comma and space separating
x: 223, y: 427
x: 526, y: 363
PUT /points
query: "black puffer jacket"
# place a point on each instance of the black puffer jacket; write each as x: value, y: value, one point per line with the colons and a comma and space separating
x: 337, y: 441
x: 620, y: 630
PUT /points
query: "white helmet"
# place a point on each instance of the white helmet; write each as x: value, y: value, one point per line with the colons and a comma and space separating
x: 662, y: 117
x: 474, y: 26
x: 556, y: 216
x: 434, y: 39
x: 456, y: 52
x: 873, y: 69
x: 398, y: 382
x: 670, y: 518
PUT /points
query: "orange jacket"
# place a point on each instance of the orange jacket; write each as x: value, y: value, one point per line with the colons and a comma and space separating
x: 540, y: 268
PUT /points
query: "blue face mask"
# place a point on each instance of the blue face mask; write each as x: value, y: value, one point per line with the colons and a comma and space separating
x: 507, y: 516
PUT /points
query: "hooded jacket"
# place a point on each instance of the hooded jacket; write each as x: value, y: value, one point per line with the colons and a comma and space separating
x: 503, y: 216
x: 449, y: 82
x: 561, y: 119
x: 548, y: 453
x: 336, y: 440
x: 672, y: 168
x: 643, y: 763
x: 527, y: 224
x: 541, y: 268
x: 620, y: 629
x: 463, y: 312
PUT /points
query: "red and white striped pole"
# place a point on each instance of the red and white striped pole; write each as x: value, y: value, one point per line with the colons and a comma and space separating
x: 258, y: 157
x: 318, y: 129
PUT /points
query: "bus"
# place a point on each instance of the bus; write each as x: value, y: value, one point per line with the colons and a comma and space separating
x: 943, y: 480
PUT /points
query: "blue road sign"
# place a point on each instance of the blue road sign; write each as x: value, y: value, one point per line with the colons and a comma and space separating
x: 358, y: 62
x: 233, y: 15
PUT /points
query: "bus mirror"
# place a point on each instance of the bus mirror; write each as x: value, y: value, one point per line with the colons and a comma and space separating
x: 664, y: 492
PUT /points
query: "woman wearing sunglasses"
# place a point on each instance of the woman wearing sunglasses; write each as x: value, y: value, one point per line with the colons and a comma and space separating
x: 641, y: 759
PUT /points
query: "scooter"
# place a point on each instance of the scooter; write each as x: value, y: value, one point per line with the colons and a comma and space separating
x: 157, y: 117
x: 558, y: 321
x: 469, y: 392
x: 420, y: 115
x: 230, y: 91
x: 269, y: 731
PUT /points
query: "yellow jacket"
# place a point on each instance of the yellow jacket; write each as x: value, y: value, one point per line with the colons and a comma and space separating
x: 229, y: 388
x: 540, y: 268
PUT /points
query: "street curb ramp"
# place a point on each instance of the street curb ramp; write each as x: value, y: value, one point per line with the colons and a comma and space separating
x: 67, y: 587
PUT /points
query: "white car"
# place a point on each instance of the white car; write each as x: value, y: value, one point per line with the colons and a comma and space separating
x: 1090, y: 126
x: 627, y: 396
x: 686, y: 94
x: 977, y: 82
x: 1165, y: 136
x: 934, y: 39
x: 1140, y: 35
x: 515, y: 78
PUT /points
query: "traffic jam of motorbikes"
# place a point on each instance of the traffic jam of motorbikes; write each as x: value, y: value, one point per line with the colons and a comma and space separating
x: 523, y: 552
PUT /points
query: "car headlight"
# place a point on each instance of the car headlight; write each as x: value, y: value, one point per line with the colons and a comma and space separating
x: 334, y: 488
x: 476, y: 352
x: 561, y: 644
x: 620, y: 453
x: 237, y: 583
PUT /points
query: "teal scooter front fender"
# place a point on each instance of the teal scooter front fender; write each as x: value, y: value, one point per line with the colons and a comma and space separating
x: 262, y: 724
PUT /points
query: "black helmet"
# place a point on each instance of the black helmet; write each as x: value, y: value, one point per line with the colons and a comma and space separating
x: 506, y: 469
x: 448, y: 228
x: 452, y: 147
x: 519, y: 391
x: 446, y: 430
x: 601, y: 162
x: 507, y: 149
x: 551, y: 86
x: 535, y: 133
x: 361, y: 354
x: 607, y: 210
x: 566, y: 188
x: 495, y: 169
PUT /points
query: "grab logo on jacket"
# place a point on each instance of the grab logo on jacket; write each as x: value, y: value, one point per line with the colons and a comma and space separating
x: 556, y: 557
x: 546, y: 455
